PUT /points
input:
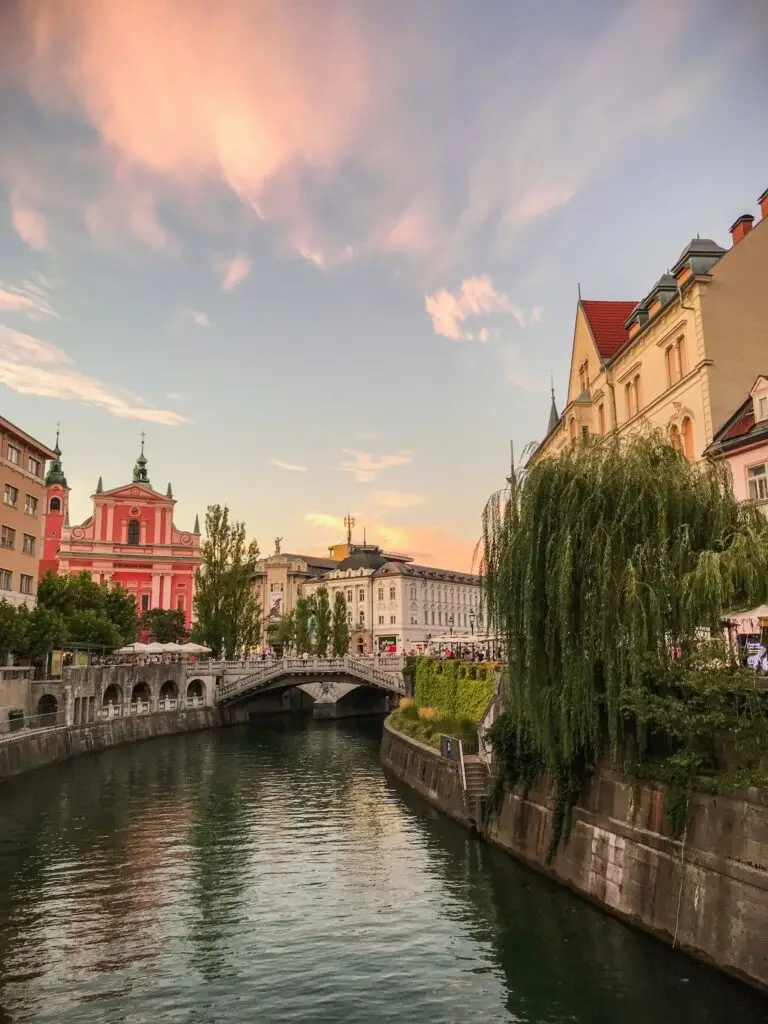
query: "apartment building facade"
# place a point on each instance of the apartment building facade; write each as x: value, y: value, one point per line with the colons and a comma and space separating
x: 22, y: 483
x: 682, y: 358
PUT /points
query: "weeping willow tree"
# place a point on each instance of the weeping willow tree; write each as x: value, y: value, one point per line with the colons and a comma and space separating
x: 601, y: 568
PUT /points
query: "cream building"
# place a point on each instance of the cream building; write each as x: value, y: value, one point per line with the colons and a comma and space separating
x: 393, y: 603
x: 682, y: 358
x: 278, y: 580
x: 22, y: 482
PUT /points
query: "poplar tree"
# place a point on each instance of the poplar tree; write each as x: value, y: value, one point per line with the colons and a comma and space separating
x: 303, y: 639
x: 340, y: 626
x: 322, y: 622
x: 228, y: 612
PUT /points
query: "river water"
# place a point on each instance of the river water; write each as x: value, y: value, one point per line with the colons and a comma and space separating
x: 275, y: 873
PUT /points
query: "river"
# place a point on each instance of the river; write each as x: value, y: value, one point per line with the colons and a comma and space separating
x: 274, y: 873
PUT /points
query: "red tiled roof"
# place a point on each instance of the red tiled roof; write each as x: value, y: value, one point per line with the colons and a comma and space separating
x: 742, y: 426
x: 606, y: 321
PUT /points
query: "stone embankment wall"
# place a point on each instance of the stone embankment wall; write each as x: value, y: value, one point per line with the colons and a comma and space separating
x: 708, y: 896
x: 34, y: 748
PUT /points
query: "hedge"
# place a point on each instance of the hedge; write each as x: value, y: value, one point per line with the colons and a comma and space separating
x: 458, y: 689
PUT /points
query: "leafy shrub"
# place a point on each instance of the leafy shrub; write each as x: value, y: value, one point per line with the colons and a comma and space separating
x: 459, y: 689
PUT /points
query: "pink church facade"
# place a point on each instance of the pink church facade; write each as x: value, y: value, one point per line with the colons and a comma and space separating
x: 130, y: 538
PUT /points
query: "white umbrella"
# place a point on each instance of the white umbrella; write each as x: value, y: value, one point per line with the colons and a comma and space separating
x: 190, y: 648
x: 172, y: 647
x: 136, y: 648
x: 155, y: 648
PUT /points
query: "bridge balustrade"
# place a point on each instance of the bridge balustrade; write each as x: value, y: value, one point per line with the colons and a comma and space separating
x: 364, y: 669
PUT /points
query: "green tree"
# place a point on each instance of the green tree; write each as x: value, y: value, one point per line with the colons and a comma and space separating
x: 303, y: 637
x: 322, y: 622
x: 339, y: 626
x: 165, y: 625
x: 89, y: 627
x: 121, y: 611
x: 11, y: 629
x: 601, y: 568
x: 228, y: 612
x: 285, y: 634
x: 42, y: 630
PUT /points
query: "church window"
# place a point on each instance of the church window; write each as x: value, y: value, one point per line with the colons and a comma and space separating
x: 180, y: 603
x: 55, y: 505
x: 133, y: 531
x: 145, y: 602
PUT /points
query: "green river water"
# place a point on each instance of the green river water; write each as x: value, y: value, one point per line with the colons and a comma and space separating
x: 275, y: 873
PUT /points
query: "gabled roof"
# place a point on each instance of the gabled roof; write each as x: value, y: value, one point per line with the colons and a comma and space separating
x: 606, y: 321
x: 740, y: 430
x: 138, y: 491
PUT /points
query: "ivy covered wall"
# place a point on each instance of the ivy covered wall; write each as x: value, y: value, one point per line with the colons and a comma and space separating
x: 458, y: 689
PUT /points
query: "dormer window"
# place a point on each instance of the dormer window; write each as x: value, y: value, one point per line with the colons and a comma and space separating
x: 761, y: 408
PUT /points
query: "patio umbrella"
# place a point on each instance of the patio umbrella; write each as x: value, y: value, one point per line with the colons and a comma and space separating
x: 190, y: 648
x: 136, y: 648
x: 155, y: 648
x: 172, y: 647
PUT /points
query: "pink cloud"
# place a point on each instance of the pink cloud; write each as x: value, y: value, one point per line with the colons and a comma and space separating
x: 476, y: 296
x: 28, y: 223
x: 237, y: 270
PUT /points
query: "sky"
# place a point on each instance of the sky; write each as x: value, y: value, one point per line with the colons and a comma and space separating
x: 326, y: 253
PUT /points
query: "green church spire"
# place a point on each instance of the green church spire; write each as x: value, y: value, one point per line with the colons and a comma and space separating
x: 140, y: 469
x: 55, y: 474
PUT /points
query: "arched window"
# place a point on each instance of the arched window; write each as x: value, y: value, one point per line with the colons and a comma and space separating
x: 133, y: 531
x: 674, y: 438
x: 572, y: 430
x: 687, y: 432
x: 55, y: 505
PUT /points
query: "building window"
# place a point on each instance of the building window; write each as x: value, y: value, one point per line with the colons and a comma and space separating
x: 572, y: 430
x: 362, y: 618
x: 674, y: 438
x: 349, y: 618
x: 180, y: 603
x: 11, y: 496
x: 145, y: 602
x: 675, y: 356
x: 14, y: 454
x: 757, y: 482
x: 632, y: 396
x: 35, y: 466
x: 30, y: 505
x: 439, y: 618
x: 762, y: 408
x: 433, y: 617
x: 134, y: 531
x: 6, y: 579
x: 349, y: 597
x: 585, y: 432
x: 392, y: 619
x: 687, y: 438
x: 392, y: 593
x: 361, y: 595
x: 7, y: 538
x: 414, y: 621
x: 381, y: 593
x: 601, y: 418
x: 381, y: 620
x: 465, y: 619
x: 25, y: 584
x: 28, y: 545
x: 413, y: 591
x: 55, y: 505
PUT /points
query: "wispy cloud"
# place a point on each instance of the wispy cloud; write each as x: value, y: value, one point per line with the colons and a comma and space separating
x: 236, y: 271
x: 28, y: 223
x: 31, y: 366
x: 291, y: 467
x: 196, y: 316
x: 398, y: 499
x: 366, y: 467
x: 26, y: 297
x: 476, y: 296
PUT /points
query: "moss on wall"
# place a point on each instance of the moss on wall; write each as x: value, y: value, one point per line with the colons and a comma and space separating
x: 458, y: 689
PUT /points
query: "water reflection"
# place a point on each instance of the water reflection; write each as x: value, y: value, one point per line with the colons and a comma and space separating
x: 275, y: 873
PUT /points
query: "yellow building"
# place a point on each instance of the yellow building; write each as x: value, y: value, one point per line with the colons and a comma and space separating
x: 682, y: 358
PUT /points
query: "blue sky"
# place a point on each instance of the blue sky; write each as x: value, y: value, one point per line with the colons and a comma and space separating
x: 326, y: 254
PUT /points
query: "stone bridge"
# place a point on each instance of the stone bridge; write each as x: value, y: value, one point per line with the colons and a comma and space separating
x: 240, y: 681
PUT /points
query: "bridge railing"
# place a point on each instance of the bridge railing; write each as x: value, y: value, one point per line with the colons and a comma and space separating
x: 361, y: 668
x: 384, y: 662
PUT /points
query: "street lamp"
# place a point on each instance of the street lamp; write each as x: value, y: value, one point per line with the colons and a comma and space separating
x: 472, y: 621
x: 451, y: 624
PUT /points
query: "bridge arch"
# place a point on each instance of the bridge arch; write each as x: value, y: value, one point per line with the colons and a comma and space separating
x: 169, y: 690
x: 47, y: 710
x: 141, y: 693
x: 196, y: 689
x: 112, y: 695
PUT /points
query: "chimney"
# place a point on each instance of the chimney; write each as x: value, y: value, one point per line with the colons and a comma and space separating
x: 741, y: 227
x: 763, y: 200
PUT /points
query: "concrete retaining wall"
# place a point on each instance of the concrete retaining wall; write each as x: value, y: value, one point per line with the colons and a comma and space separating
x: 35, y: 748
x: 709, y: 897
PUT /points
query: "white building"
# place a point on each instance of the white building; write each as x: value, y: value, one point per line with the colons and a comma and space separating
x: 392, y: 602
